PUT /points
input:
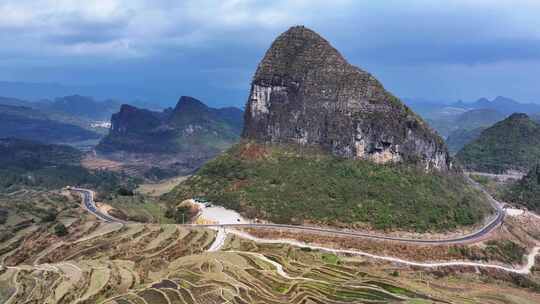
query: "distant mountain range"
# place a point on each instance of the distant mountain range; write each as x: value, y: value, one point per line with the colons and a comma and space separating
x: 82, y: 106
x: 31, y: 124
x: 462, y: 122
x: 69, y: 119
x: 501, y: 104
x: 180, y: 138
x: 39, y: 91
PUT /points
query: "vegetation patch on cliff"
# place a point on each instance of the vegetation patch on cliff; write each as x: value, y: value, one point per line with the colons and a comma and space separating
x: 293, y: 185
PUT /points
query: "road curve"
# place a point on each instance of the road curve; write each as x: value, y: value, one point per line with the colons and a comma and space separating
x: 89, y: 205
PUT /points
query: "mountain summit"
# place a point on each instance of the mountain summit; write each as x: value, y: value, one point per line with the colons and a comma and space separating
x: 316, y: 135
x: 305, y: 92
x: 511, y: 144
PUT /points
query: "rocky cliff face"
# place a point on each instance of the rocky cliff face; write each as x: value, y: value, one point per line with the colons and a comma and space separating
x: 174, y: 141
x: 305, y: 92
x: 133, y: 120
x: 190, y: 127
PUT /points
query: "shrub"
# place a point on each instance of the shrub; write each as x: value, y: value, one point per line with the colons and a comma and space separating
x: 60, y: 229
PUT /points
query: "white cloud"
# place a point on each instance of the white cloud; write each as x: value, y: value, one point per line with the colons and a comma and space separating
x: 127, y: 28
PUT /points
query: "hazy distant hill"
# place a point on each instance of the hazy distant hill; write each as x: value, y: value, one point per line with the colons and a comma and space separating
x: 182, y: 138
x: 536, y: 117
x: 26, y: 123
x: 449, y: 117
x: 501, y: 104
x: 512, y: 144
x: 468, y: 126
x: 478, y: 118
x: 461, y: 137
x: 83, y: 106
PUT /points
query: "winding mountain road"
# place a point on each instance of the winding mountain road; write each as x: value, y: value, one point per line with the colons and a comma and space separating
x: 492, y: 224
x: 89, y: 204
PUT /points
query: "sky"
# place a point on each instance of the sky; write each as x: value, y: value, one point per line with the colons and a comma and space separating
x: 158, y: 50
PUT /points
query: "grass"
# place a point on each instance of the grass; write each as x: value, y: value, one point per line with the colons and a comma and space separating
x: 330, y: 258
x: 140, y: 208
x: 286, y: 185
x: 160, y: 188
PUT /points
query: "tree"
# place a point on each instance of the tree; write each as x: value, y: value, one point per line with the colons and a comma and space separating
x: 183, y: 214
x: 49, y: 216
x: 125, y: 192
x: 60, y: 229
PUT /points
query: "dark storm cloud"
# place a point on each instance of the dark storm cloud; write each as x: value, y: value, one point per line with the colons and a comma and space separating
x: 210, y: 48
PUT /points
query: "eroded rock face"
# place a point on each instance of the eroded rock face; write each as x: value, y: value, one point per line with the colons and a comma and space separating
x: 305, y: 92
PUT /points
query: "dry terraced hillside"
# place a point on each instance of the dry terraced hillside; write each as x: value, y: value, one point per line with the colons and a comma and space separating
x: 151, y: 263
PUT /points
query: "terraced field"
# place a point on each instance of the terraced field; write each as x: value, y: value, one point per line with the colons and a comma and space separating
x: 113, y: 263
x: 166, y: 264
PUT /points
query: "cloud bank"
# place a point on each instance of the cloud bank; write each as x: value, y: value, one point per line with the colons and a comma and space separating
x: 439, y: 49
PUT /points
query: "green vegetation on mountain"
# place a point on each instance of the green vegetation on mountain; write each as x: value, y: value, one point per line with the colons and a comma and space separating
x: 32, y: 164
x: 512, y: 144
x: 526, y: 191
x: 294, y: 186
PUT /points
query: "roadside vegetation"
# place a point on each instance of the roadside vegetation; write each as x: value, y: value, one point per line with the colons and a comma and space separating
x: 526, y: 192
x: 136, y: 207
x: 286, y: 185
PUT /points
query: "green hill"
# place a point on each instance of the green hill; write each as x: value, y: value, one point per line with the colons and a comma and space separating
x: 526, y: 191
x: 298, y: 185
x: 512, y: 144
x: 47, y: 166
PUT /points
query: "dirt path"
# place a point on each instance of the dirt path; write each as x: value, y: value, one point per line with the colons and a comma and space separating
x: 525, y: 269
x: 219, y: 241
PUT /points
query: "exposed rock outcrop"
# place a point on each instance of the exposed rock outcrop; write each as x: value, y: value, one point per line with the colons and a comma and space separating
x: 305, y: 92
